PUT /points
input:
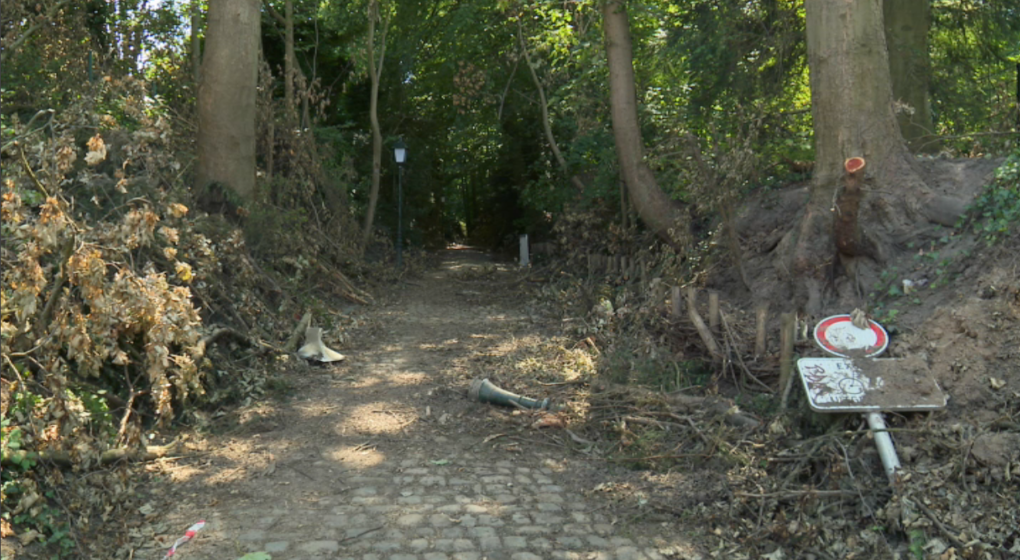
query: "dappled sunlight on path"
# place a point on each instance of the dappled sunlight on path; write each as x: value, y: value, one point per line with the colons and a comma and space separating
x: 383, y: 457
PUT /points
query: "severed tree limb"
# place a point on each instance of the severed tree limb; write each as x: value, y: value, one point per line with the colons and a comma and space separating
x: 65, y: 460
x: 216, y: 335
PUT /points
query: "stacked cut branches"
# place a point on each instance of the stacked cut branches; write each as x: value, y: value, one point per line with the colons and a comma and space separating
x: 104, y: 273
x: 304, y: 208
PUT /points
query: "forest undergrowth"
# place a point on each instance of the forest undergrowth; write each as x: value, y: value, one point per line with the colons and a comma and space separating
x: 707, y: 439
x: 126, y: 310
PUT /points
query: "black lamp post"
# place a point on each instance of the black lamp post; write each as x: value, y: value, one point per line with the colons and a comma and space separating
x: 400, y: 156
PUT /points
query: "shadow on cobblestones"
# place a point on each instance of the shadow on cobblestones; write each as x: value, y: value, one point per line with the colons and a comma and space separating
x: 383, y: 457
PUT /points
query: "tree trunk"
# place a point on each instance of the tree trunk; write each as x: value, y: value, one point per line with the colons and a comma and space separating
x: 293, y: 75
x: 289, y: 61
x: 852, y: 107
x: 226, y: 97
x: 375, y: 72
x: 660, y: 213
x: 906, y: 32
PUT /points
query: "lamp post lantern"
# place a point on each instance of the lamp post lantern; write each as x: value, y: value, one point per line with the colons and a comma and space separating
x: 400, y: 156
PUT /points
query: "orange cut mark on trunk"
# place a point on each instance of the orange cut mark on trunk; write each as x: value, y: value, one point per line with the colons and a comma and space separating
x: 854, y: 164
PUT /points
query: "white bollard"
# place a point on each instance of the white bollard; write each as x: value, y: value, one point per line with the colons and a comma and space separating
x: 524, y: 250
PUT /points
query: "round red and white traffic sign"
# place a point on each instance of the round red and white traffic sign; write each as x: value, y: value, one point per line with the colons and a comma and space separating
x: 838, y: 335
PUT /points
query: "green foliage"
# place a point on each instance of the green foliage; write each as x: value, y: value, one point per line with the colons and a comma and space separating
x: 883, y: 297
x: 974, y: 51
x: 33, y: 512
x: 736, y: 52
x: 10, y: 442
x: 918, y: 540
x: 996, y: 211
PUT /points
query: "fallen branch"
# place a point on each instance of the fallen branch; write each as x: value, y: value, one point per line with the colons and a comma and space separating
x: 721, y: 407
x: 798, y: 494
x: 65, y: 460
x: 347, y: 289
x: 659, y: 457
x: 951, y: 535
x: 363, y: 533
x: 732, y: 342
x: 216, y: 335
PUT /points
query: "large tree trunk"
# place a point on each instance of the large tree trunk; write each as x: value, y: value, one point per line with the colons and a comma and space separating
x: 906, y: 32
x: 375, y: 72
x: 660, y: 213
x: 853, y: 222
x: 226, y: 97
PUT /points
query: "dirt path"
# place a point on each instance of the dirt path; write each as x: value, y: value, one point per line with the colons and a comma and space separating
x: 383, y: 457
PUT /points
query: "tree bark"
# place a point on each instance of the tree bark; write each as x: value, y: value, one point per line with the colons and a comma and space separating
x: 852, y: 107
x: 907, y: 23
x: 375, y: 73
x: 226, y: 98
x: 289, y: 61
x: 660, y: 213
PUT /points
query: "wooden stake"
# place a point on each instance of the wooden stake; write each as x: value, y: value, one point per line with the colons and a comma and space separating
x: 713, y: 311
x: 591, y: 264
x: 762, y: 315
x: 699, y: 324
x: 675, y: 297
x: 786, y: 336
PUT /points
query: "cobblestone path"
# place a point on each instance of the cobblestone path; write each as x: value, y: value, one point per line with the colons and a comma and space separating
x: 403, y: 511
x: 382, y: 459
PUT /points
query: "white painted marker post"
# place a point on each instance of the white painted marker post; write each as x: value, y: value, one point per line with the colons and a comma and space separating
x: 524, y: 249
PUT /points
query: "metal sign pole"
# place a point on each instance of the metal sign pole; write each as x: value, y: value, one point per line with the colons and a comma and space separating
x: 884, y: 442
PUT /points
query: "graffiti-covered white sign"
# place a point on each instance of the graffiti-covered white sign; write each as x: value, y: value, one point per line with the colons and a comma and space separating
x: 834, y: 383
x: 840, y: 385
